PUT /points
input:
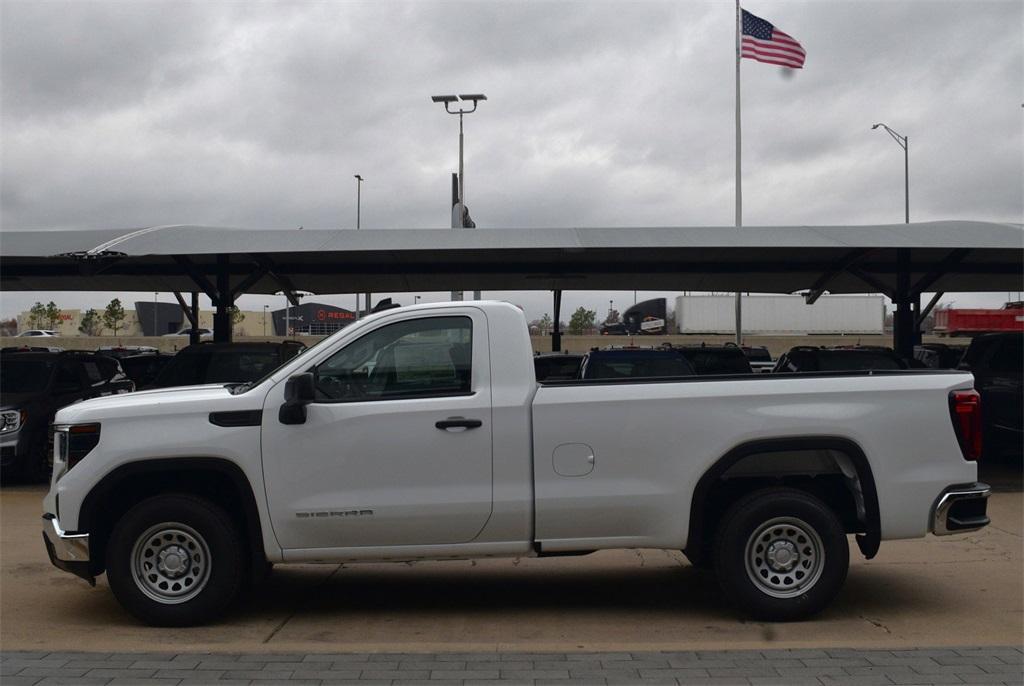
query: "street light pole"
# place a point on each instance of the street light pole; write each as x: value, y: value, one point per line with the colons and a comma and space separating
x: 359, y: 207
x: 906, y: 327
x: 903, y: 142
x: 474, y: 98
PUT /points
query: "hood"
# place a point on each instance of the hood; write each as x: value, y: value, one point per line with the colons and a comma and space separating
x: 186, y: 400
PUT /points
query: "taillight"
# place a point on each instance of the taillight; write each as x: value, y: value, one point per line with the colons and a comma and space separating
x: 965, y: 411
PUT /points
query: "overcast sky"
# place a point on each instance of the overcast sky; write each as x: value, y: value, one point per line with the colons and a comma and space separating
x: 131, y: 114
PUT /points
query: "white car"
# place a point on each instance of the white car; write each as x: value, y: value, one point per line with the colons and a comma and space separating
x: 203, y: 333
x: 422, y: 433
x: 37, y: 333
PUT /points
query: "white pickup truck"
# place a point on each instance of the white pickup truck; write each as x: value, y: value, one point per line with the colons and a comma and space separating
x: 421, y: 433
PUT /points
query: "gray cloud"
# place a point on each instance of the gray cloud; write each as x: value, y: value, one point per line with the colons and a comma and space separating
x: 599, y: 113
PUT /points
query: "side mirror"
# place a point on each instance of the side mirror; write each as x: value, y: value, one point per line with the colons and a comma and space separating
x: 299, y: 391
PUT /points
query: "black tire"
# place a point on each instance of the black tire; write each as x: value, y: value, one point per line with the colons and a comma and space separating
x: 182, y: 590
x: 781, y: 554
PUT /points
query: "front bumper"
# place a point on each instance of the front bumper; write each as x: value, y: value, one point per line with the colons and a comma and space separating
x: 69, y: 552
x: 9, y: 448
x: 960, y: 509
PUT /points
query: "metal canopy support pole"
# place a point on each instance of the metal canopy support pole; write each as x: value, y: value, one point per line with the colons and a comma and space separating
x: 923, y: 314
x: 556, y: 331
x: 903, y: 323
x: 225, y: 299
x: 915, y: 320
x: 193, y: 335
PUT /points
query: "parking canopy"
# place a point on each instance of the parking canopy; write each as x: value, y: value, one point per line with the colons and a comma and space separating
x: 893, y: 258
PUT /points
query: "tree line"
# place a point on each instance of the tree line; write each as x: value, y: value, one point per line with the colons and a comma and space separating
x: 94, y: 322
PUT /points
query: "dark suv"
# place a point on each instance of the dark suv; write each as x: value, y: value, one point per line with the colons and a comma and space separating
x: 207, y: 363
x: 33, y: 386
x: 810, y: 359
x: 996, y: 360
x: 634, y: 363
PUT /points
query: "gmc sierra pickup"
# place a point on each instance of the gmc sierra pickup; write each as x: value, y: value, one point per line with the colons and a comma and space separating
x: 421, y: 433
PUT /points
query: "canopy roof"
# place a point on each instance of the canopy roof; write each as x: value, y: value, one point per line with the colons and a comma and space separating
x: 946, y: 256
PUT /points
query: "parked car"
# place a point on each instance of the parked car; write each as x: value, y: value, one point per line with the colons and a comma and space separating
x: 206, y: 363
x: 122, y: 351
x: 716, y: 359
x: 37, y: 333
x: 557, y: 366
x: 33, y: 386
x: 810, y: 359
x: 634, y: 363
x: 420, y: 433
x: 144, y: 369
x: 939, y: 355
x: 996, y: 361
x: 187, y: 331
x: 31, y: 349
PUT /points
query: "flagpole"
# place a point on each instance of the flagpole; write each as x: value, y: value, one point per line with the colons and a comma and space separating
x: 739, y: 176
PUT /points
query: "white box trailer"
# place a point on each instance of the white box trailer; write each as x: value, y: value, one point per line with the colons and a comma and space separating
x: 781, y: 314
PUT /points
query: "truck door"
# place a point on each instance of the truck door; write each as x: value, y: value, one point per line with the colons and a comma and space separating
x: 396, y: 449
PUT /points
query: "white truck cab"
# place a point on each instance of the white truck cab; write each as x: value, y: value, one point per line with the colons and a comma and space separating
x: 422, y: 433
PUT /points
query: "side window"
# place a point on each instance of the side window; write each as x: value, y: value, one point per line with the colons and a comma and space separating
x: 416, y: 358
x: 66, y: 379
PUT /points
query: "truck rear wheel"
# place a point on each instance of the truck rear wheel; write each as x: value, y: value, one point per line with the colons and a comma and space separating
x: 175, y: 560
x: 781, y: 554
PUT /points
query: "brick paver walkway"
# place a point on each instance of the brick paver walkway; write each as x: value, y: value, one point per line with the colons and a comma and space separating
x: 784, y: 667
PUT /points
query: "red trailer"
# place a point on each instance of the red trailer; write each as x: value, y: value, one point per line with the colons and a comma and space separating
x: 963, y: 322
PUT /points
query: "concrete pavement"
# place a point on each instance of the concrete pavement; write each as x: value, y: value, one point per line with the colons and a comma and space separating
x: 948, y: 591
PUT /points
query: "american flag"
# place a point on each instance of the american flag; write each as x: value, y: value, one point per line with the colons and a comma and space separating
x: 765, y: 43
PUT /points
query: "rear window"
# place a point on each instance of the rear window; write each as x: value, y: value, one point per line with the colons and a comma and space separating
x: 1007, y: 357
x: 218, y: 367
x: 92, y: 371
x: 235, y: 366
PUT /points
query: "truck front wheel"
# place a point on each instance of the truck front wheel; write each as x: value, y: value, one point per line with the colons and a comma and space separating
x: 781, y: 554
x: 175, y: 560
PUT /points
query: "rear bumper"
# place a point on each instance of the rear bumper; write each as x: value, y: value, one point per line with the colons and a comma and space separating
x: 960, y: 509
x: 69, y: 552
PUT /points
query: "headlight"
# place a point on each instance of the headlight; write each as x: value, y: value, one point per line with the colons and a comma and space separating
x: 72, y: 442
x: 11, y: 420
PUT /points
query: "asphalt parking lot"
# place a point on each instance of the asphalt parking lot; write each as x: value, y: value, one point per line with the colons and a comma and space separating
x: 950, y: 591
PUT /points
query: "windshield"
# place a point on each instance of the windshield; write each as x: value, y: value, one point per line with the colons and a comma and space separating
x: 24, y: 376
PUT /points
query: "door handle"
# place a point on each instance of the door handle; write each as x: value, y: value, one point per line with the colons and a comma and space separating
x: 458, y: 423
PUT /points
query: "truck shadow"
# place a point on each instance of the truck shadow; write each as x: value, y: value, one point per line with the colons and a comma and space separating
x: 667, y: 592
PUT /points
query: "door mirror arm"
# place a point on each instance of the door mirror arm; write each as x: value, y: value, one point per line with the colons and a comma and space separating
x: 299, y: 391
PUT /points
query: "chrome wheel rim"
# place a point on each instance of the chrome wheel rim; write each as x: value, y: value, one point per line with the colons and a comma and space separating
x: 784, y: 557
x: 171, y: 563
